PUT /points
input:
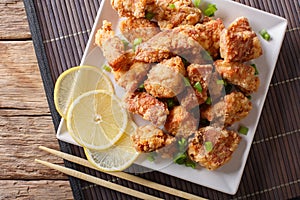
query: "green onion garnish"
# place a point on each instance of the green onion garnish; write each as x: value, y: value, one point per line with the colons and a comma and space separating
x: 265, y: 34
x: 142, y: 86
x: 221, y: 82
x: 136, y: 42
x: 172, y: 6
x: 190, y: 163
x: 151, y: 156
x: 125, y: 43
x: 180, y: 158
x: 256, y: 71
x: 107, y: 68
x: 170, y: 103
x: 149, y: 15
x: 208, y: 146
x: 197, y: 3
x: 208, y: 101
x: 210, y: 10
x: 182, y: 145
x: 243, y: 130
x: 186, y: 81
x: 198, y: 87
x: 249, y: 97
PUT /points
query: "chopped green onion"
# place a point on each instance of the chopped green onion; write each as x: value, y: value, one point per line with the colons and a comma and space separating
x: 125, y: 43
x: 206, y: 55
x: 198, y: 87
x: 182, y: 143
x: 249, y: 97
x: 197, y: 3
x: 256, y: 71
x: 210, y: 10
x: 136, y: 42
x: 107, y: 68
x: 186, y: 81
x: 149, y: 15
x: 208, y: 146
x: 208, y: 101
x: 142, y: 86
x: 265, y: 34
x: 180, y: 158
x: 243, y: 130
x: 190, y: 163
x: 221, y: 82
x: 151, y: 156
x: 172, y: 6
x: 170, y: 103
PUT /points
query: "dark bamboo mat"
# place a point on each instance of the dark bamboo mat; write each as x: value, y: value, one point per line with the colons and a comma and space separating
x: 60, y: 31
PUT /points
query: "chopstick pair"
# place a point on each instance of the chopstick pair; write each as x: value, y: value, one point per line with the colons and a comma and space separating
x: 108, y: 184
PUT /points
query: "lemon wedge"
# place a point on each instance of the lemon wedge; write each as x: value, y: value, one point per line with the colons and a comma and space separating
x: 118, y: 157
x: 76, y: 81
x: 96, y: 119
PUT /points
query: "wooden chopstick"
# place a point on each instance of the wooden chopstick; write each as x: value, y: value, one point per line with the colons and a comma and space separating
x: 123, y: 175
x: 97, y: 181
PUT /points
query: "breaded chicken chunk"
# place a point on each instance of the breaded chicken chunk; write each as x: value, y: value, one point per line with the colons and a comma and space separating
x: 112, y: 46
x: 142, y: 28
x: 239, y: 74
x: 130, y: 8
x: 172, y: 13
x: 147, y: 106
x: 234, y: 107
x: 213, y: 147
x: 188, y: 98
x: 198, y: 78
x: 150, y: 138
x: 165, y: 80
x: 180, y: 122
x: 168, y: 43
x: 239, y: 43
x: 131, y: 79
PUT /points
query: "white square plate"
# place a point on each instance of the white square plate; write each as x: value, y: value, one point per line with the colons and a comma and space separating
x: 227, y: 178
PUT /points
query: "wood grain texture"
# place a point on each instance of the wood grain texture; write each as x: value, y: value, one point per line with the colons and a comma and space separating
x: 13, y: 20
x: 35, y: 189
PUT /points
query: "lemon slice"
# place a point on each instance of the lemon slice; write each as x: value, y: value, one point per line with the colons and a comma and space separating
x: 96, y: 119
x: 76, y: 81
x: 118, y: 157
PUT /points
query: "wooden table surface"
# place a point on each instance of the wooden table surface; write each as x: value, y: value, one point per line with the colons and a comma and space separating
x: 25, y: 120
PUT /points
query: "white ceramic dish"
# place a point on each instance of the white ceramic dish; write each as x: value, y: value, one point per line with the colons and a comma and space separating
x: 227, y: 178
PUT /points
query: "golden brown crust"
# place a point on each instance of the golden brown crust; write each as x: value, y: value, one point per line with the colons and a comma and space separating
x: 130, y: 8
x: 239, y: 43
x: 147, y: 106
x: 239, y: 74
x: 224, y: 143
x: 234, y: 107
x: 180, y: 122
x: 150, y: 138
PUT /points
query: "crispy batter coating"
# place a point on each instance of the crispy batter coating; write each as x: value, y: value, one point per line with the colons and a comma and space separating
x: 238, y: 43
x: 167, y: 43
x: 147, y: 106
x: 165, y: 80
x: 112, y: 46
x: 188, y: 98
x: 172, y: 13
x: 180, y: 122
x: 131, y: 79
x: 234, y: 107
x: 239, y: 74
x: 142, y: 28
x: 198, y: 75
x: 150, y: 138
x: 130, y: 8
x: 224, y: 143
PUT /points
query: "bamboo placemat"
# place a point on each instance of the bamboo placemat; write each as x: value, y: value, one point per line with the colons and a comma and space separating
x: 60, y: 31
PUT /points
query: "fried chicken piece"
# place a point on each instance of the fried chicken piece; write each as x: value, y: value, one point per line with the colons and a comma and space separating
x: 172, y: 13
x: 150, y: 138
x: 165, y: 79
x: 238, y: 43
x: 130, y: 8
x: 239, y: 74
x: 142, y: 28
x: 180, y: 122
x: 206, y: 34
x: 166, y: 44
x: 198, y: 75
x: 188, y: 99
x: 129, y: 54
x: 112, y: 46
x: 213, y: 147
x: 131, y: 79
x: 234, y: 107
x: 147, y: 106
